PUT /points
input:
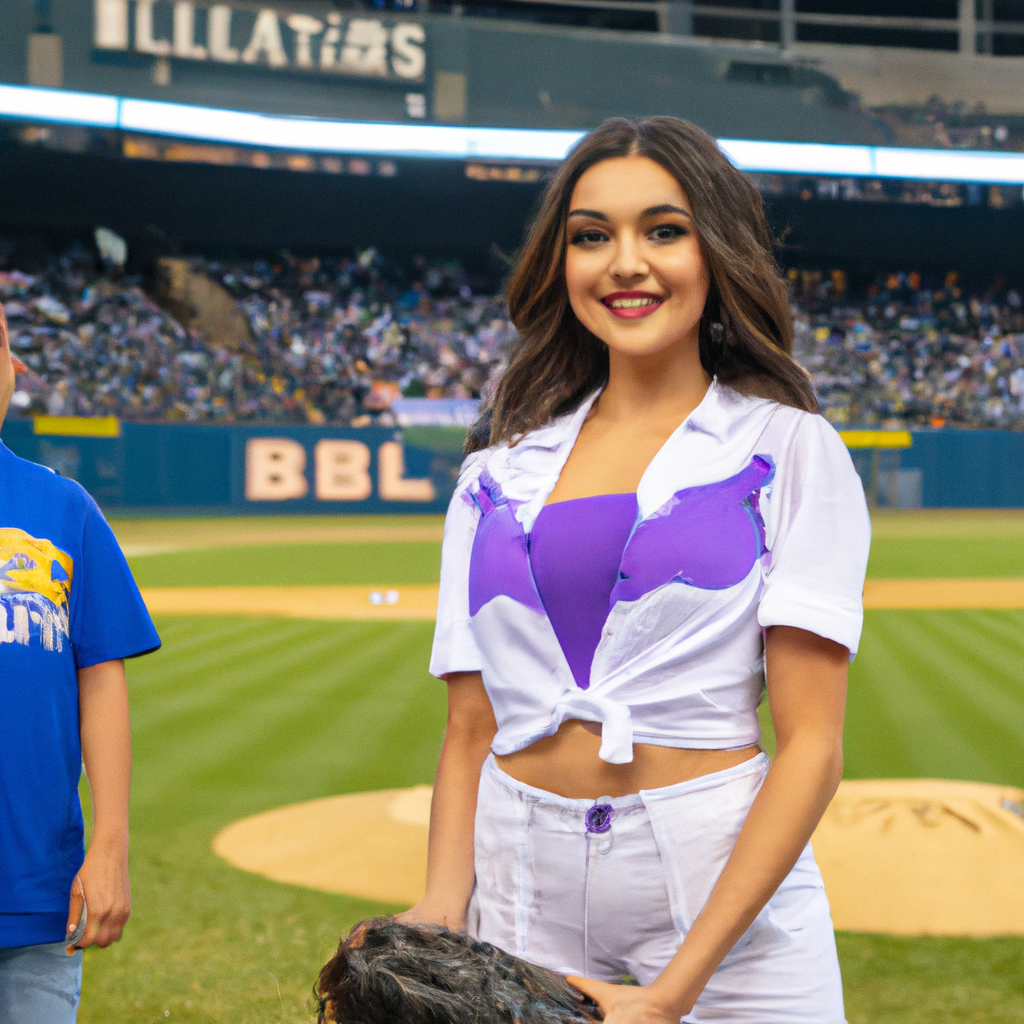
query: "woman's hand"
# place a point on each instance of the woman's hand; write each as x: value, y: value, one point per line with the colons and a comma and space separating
x: 626, y: 1004
x: 428, y: 913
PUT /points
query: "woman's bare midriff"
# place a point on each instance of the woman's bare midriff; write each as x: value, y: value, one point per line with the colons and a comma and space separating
x: 568, y: 764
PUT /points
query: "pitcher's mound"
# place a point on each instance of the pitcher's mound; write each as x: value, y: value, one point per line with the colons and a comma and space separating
x: 372, y: 845
x: 900, y: 856
x: 924, y: 857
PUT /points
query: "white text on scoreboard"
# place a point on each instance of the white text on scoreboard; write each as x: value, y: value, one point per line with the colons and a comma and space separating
x: 380, y: 48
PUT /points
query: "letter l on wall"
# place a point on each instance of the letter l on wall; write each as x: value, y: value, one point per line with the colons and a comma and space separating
x: 392, y: 485
x: 110, y: 30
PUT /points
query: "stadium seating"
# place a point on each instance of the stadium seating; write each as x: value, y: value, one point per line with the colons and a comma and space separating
x: 337, y: 340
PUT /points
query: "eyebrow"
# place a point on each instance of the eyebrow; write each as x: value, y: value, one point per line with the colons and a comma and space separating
x: 651, y: 211
x: 656, y: 211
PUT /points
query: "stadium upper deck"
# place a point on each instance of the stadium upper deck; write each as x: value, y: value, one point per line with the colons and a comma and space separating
x: 406, y: 114
x: 796, y: 70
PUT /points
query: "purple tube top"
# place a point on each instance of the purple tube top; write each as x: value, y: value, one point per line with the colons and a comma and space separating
x: 575, y: 550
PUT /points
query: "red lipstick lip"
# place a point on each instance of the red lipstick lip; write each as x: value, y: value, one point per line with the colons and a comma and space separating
x: 634, y: 312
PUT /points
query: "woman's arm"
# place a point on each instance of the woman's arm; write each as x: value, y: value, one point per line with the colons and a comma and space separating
x: 807, y: 692
x: 107, y: 753
x: 467, y: 741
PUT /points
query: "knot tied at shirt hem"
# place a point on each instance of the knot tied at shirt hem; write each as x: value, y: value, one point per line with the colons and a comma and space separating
x: 615, y: 720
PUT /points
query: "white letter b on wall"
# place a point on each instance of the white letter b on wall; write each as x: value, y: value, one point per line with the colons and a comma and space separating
x: 342, y: 471
x: 274, y: 469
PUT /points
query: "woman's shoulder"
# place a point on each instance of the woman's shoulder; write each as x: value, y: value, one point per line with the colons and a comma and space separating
x: 473, y: 466
x: 810, y: 432
x: 807, y: 450
x: 786, y: 426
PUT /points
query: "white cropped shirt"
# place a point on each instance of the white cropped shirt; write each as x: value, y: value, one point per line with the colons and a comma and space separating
x: 750, y: 515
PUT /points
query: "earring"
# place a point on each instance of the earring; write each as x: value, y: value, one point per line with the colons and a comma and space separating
x: 716, y: 333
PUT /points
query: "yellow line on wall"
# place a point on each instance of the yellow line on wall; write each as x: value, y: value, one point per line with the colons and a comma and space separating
x: 877, y: 438
x: 76, y: 426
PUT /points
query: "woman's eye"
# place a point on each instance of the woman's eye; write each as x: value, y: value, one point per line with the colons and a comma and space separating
x: 666, y: 232
x: 588, y: 237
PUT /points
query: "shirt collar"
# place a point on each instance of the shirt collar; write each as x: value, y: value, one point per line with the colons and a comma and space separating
x: 528, y: 471
x: 562, y: 431
x: 712, y: 415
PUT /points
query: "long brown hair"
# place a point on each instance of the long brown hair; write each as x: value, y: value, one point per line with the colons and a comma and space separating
x: 558, y: 362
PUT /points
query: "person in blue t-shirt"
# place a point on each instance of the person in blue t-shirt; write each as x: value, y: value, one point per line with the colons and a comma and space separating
x: 70, y: 613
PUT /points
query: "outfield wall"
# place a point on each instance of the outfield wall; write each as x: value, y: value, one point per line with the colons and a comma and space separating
x: 235, y: 469
x: 294, y: 469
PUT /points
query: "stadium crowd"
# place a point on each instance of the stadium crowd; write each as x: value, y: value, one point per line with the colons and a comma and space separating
x: 940, y: 125
x: 903, y: 354
x: 329, y: 342
x: 336, y: 341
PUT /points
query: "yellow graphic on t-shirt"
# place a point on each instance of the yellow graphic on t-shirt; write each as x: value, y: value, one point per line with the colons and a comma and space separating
x: 35, y: 590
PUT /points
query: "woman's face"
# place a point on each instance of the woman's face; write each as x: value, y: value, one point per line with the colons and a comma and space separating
x: 633, y: 267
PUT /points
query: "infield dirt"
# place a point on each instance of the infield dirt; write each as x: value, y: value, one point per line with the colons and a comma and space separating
x: 419, y: 601
x: 898, y: 856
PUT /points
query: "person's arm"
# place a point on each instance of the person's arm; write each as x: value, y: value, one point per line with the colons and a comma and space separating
x: 807, y: 693
x: 467, y: 741
x: 107, y: 753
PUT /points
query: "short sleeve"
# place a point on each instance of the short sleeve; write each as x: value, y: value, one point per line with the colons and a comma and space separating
x: 818, y: 532
x: 455, y: 648
x: 109, y: 619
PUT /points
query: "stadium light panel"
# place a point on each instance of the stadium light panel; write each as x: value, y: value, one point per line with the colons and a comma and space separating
x: 324, y: 136
x: 798, y: 157
x: 58, y: 105
x: 321, y: 135
x: 949, y: 165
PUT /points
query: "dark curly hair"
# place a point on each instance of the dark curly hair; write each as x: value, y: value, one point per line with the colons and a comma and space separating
x: 386, y: 972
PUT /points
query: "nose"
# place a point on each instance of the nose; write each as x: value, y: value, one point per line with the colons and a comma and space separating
x: 628, y: 261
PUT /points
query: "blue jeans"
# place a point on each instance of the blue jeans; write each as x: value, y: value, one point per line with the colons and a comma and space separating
x: 39, y: 984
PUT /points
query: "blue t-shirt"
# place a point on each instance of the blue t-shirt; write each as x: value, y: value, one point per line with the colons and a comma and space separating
x: 67, y: 601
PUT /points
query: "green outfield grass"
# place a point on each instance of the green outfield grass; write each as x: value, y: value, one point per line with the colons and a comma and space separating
x: 945, y: 543
x: 292, y: 564
x: 927, y: 543
x: 233, y: 716
x: 238, y: 715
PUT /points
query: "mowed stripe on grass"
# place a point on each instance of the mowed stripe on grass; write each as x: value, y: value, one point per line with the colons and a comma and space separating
x: 313, y: 564
x: 979, y: 546
x: 938, y: 694
x: 234, y: 716
x: 238, y: 715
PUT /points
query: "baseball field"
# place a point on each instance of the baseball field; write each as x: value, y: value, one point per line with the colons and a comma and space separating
x: 272, y: 688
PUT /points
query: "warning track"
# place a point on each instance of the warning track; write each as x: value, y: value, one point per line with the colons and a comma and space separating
x: 414, y: 601
x: 409, y: 601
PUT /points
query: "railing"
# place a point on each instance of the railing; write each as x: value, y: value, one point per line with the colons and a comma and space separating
x: 968, y: 32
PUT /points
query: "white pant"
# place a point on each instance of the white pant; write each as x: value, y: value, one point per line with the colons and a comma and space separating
x: 607, y: 904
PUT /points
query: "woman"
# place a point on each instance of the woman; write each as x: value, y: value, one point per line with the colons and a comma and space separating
x: 658, y: 524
